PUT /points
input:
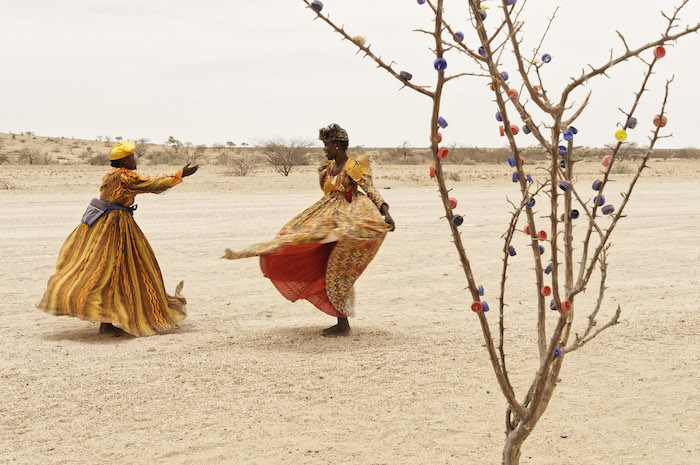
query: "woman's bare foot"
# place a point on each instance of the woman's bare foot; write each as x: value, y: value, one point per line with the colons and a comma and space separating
x: 108, y: 328
x: 341, y: 329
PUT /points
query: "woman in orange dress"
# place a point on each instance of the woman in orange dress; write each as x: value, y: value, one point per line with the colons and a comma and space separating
x: 320, y: 253
x: 106, y: 270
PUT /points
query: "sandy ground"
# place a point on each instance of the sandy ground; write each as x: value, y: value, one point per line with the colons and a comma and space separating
x: 247, y: 379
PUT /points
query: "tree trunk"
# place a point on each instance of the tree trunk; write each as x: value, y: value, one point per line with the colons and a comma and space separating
x: 514, y: 441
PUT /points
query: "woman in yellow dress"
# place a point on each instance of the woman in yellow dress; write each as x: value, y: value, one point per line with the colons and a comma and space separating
x: 320, y: 253
x: 106, y: 270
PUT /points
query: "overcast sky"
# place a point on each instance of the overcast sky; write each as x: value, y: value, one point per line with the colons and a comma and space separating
x: 208, y: 71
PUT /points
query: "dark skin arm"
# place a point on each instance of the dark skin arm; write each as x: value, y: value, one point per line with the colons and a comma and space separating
x: 387, y: 217
x: 188, y: 170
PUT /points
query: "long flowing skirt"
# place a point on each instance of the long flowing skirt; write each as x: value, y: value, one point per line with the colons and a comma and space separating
x: 321, y: 252
x: 108, y: 273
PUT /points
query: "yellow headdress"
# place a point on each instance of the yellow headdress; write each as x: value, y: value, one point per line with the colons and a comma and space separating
x: 121, y: 150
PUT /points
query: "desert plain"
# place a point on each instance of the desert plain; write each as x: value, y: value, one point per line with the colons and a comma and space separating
x: 247, y: 378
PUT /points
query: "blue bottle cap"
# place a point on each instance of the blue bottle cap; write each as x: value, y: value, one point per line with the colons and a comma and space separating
x: 511, y: 250
x: 528, y: 177
x: 526, y: 130
x: 442, y: 122
x: 562, y: 163
x: 420, y: 2
x: 482, y: 52
x: 504, y: 75
x: 510, y: 2
x: 440, y: 63
x: 563, y: 150
x: 573, y: 214
x: 557, y: 352
x: 484, y: 306
x: 565, y: 186
x: 548, y: 269
x: 546, y: 58
x: 457, y: 220
x: 318, y: 6
x: 596, y: 184
x: 608, y: 209
x: 600, y: 200
x: 553, y: 305
x: 632, y: 122
x: 530, y: 203
x: 541, y: 250
x: 511, y: 162
x: 499, y: 118
x: 459, y: 36
x: 405, y: 75
x: 573, y: 129
x: 480, y: 289
x: 568, y: 135
x: 483, y: 15
x: 515, y: 176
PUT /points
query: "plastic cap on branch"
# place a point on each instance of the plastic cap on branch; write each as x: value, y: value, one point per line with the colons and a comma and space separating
x: 485, y: 306
x: 546, y: 290
x: 608, y: 209
x: 596, y: 184
x: 405, y: 75
x: 453, y: 202
x: 477, y: 307
x: 568, y: 135
x: 512, y: 94
x: 659, y: 52
x: 515, y: 176
x: 606, y: 160
x: 553, y: 305
x: 459, y: 36
x: 318, y: 6
x: 526, y: 129
x: 420, y: 2
x: 432, y: 171
x: 542, y: 235
x: 660, y: 122
x: 457, y: 220
x: 482, y: 52
x: 530, y: 203
x: 442, y: 122
x: 565, y: 186
x: 546, y: 58
x: 511, y: 251
x: 483, y: 15
x: 501, y: 130
x: 360, y: 40
x: 511, y: 162
x: 541, y: 250
x: 514, y: 129
x: 510, y: 2
x: 440, y: 64
x: 529, y: 179
x: 536, y: 88
x: 442, y: 153
x: 632, y: 122
x: 548, y: 269
x: 573, y: 214
x: 566, y: 306
x: 557, y: 353
x: 504, y: 75
x: 621, y: 135
x: 562, y: 150
x: 562, y: 163
x: 499, y: 118
x: 599, y: 201
x: 573, y: 129
x: 439, y: 137
x: 526, y: 229
x: 480, y: 289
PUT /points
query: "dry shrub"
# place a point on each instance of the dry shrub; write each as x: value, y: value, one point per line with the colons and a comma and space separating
x: 284, y: 154
x: 240, y: 165
x: 30, y: 156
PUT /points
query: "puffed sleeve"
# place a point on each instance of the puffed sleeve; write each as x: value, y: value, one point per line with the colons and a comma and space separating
x: 360, y: 171
x: 322, y: 174
x: 136, y: 184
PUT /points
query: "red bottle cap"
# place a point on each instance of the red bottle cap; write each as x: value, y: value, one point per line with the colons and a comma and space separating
x: 566, y: 306
x: 660, y: 123
x: 442, y: 153
x: 477, y: 307
x: 527, y: 229
x: 660, y: 51
x: 432, y: 171
x: 606, y: 160
x: 514, y: 129
x: 542, y: 235
x: 512, y: 94
x: 453, y: 203
x: 545, y: 291
x: 502, y: 131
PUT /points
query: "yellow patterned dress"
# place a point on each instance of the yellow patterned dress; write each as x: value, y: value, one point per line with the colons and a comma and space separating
x: 320, y: 253
x: 108, y: 272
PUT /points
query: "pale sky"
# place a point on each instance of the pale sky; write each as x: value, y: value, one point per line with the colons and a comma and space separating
x: 208, y: 71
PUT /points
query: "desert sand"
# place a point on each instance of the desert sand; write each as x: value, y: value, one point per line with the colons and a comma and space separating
x: 247, y: 378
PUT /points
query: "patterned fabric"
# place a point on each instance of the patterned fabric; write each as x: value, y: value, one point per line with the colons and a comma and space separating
x: 345, y: 216
x: 108, y: 272
x: 333, y: 132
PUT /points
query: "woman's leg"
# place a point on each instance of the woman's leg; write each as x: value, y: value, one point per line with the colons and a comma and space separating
x: 340, y: 329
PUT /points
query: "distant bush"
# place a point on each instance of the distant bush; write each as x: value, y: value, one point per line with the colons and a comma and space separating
x: 96, y: 159
x: 4, y: 158
x: 30, y: 156
x: 241, y: 165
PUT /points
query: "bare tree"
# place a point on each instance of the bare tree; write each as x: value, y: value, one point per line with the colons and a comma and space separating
x: 31, y: 156
x: 239, y: 163
x: 141, y: 147
x: 284, y: 154
x: 505, y: 36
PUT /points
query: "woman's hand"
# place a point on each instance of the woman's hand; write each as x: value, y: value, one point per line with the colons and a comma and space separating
x: 188, y: 170
x: 387, y: 217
